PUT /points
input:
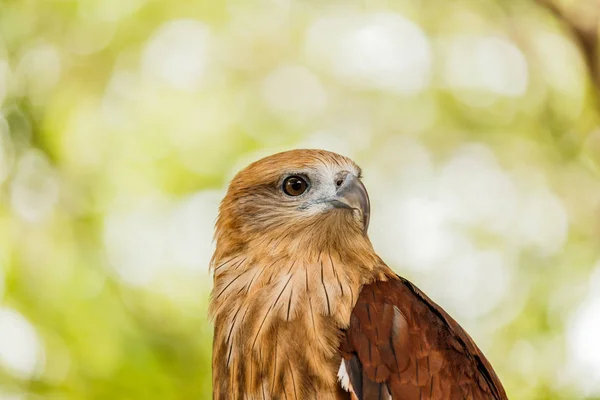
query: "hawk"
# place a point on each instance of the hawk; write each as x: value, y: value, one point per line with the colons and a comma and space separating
x: 304, y: 308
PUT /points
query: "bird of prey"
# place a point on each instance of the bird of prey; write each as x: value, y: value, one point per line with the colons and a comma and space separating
x: 304, y: 308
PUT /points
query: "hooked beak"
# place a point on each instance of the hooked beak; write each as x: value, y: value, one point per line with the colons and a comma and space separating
x: 353, y: 195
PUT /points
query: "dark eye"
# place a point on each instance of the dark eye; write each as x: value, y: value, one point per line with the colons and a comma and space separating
x: 294, y: 186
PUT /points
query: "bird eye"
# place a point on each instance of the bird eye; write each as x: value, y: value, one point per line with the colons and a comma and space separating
x: 294, y: 186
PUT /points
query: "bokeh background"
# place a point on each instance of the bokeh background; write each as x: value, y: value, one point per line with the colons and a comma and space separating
x: 121, y: 122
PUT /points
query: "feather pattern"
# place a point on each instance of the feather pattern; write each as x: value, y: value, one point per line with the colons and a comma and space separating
x: 401, y: 345
x: 258, y: 323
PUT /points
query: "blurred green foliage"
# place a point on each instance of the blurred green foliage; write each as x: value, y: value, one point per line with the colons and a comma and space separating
x: 122, y: 121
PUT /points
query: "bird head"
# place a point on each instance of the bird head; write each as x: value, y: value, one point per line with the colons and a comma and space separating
x: 310, y: 195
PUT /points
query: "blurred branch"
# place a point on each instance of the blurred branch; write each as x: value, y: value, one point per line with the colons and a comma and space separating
x: 581, y: 19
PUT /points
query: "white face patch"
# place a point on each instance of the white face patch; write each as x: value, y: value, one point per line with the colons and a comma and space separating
x: 322, y: 185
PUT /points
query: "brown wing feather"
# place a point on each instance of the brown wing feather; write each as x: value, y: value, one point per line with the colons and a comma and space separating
x: 400, y: 345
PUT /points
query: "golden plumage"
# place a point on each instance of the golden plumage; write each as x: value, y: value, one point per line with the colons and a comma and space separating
x: 288, y: 272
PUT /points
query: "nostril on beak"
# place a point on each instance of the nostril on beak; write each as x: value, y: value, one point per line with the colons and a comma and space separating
x: 340, y: 179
